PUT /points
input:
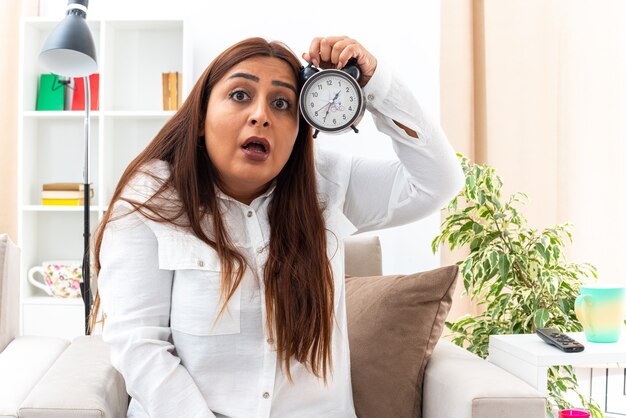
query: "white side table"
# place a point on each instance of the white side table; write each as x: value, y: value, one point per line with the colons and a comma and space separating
x: 528, y: 357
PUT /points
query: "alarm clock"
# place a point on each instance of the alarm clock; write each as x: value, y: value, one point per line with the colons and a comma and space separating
x: 331, y: 100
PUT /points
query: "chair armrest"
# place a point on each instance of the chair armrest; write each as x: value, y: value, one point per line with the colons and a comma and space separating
x: 81, y: 383
x: 460, y: 384
x: 22, y: 364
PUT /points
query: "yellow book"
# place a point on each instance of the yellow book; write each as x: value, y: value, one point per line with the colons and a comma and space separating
x: 63, y: 202
x: 65, y: 186
x: 173, y: 95
x: 166, y: 91
x: 65, y: 194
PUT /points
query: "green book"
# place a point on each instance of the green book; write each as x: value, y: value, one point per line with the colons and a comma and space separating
x: 51, y: 94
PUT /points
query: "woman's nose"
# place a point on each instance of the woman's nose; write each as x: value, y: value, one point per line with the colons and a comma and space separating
x: 260, y: 116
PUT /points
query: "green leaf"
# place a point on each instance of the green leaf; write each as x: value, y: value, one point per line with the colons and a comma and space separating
x: 565, y: 305
x: 541, y: 249
x: 541, y: 317
x: 481, y: 198
x: 556, y: 252
x: 475, y: 244
x: 493, y: 258
x: 504, y: 267
x: 471, y: 181
x: 453, y: 239
x: 494, y: 200
x: 435, y: 244
x: 467, y: 226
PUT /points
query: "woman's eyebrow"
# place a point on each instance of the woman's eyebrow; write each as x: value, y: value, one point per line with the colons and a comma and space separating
x: 246, y: 76
x: 256, y: 79
x: 283, y: 84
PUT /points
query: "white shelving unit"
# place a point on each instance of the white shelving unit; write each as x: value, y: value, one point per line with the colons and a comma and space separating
x: 132, y: 54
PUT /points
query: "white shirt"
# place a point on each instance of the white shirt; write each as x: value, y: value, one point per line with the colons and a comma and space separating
x: 159, y: 285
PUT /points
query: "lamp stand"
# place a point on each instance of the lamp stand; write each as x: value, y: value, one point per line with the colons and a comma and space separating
x: 85, y: 286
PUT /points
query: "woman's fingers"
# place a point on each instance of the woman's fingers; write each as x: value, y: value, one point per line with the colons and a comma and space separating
x: 339, y: 47
x: 336, y: 51
x: 321, y: 50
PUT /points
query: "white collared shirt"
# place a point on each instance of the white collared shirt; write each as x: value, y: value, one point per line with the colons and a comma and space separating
x: 159, y: 285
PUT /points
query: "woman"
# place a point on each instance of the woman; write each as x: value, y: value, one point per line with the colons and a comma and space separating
x: 221, y: 263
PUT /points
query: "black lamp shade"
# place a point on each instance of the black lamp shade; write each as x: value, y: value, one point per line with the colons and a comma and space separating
x: 69, y: 50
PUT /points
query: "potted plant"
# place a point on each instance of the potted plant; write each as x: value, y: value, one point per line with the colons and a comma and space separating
x: 518, y: 275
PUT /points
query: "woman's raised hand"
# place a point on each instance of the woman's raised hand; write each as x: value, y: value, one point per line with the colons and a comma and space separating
x: 335, y: 51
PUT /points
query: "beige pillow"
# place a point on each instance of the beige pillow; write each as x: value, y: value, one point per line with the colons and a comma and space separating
x: 394, y: 323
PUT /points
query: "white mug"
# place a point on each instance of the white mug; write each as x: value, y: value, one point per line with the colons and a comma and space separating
x: 61, y: 278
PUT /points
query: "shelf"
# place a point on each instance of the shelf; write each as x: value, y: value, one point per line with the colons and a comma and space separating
x: 59, y: 114
x: 150, y: 114
x: 49, y: 300
x: 80, y: 114
x: 53, y: 152
x: 137, y: 54
x: 49, y: 208
x: 132, y: 55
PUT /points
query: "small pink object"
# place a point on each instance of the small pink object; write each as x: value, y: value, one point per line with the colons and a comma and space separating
x: 578, y: 413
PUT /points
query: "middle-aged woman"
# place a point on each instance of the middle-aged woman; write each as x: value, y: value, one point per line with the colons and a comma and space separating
x: 221, y: 260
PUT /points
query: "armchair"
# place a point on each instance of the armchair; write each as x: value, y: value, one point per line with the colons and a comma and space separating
x: 53, y: 377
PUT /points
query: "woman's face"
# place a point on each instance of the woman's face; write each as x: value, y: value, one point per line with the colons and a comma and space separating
x: 251, y: 125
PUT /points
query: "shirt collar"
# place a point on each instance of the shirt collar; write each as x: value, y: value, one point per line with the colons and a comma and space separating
x: 270, y: 190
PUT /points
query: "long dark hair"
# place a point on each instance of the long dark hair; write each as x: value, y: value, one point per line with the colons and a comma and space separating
x: 298, y: 278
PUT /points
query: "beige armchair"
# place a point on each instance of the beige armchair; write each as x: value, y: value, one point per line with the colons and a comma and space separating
x: 52, y: 377
x: 46, y: 376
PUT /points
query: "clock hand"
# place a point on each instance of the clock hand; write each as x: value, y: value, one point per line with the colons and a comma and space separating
x: 327, y: 110
x: 327, y: 104
x: 331, y: 103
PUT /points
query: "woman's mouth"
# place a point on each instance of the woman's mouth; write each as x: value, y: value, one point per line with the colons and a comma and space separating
x: 256, y: 149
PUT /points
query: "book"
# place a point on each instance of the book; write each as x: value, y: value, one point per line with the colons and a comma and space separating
x: 63, y: 202
x: 173, y: 87
x: 172, y: 90
x: 65, y: 186
x: 165, y: 78
x: 65, y: 194
x: 179, y: 90
x: 51, y: 93
x: 78, y: 98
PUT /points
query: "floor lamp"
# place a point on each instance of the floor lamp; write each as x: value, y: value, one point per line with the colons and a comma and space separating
x: 70, y: 51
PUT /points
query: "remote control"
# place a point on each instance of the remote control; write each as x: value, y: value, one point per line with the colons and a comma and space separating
x: 561, y: 341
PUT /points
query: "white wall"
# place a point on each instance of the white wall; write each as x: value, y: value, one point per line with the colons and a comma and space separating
x: 405, y: 36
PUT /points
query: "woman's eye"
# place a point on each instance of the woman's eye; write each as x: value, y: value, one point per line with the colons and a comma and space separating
x: 281, y: 104
x: 238, y: 96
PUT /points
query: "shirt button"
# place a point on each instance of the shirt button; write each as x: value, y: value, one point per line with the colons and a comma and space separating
x: 249, y: 214
x: 266, y: 395
x: 370, y: 97
x: 200, y: 263
x: 260, y: 250
x: 270, y: 341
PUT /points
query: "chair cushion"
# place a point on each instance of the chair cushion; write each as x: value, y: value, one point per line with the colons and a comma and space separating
x: 394, y: 323
x: 81, y: 383
x: 363, y: 256
x: 22, y: 363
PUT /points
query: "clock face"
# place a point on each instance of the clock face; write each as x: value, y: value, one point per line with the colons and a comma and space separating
x: 331, y: 101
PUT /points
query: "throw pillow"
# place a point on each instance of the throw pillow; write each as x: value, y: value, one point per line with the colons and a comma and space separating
x: 394, y: 323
